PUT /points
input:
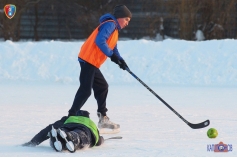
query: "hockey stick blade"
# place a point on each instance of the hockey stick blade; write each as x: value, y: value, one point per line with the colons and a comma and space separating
x: 118, y: 137
x: 199, y: 125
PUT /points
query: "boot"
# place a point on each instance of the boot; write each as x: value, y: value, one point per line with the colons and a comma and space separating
x: 71, y: 139
x: 106, y: 126
x: 55, y: 141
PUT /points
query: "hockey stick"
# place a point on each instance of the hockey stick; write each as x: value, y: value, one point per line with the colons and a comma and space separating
x: 194, y: 126
x: 118, y: 137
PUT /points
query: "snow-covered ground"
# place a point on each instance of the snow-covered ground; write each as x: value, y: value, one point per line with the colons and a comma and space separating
x: 38, y: 81
x: 168, y: 62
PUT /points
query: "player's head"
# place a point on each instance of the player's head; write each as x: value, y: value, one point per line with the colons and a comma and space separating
x: 122, y: 14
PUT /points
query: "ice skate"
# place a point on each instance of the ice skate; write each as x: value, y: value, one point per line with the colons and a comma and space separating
x: 106, y: 126
x: 68, y: 140
x: 54, y: 142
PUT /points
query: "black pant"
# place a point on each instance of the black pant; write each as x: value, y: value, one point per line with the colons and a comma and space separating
x: 79, y: 132
x: 43, y: 134
x: 90, y: 78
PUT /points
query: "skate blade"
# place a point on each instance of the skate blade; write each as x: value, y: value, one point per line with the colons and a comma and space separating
x: 108, y: 131
x: 70, y: 146
x: 58, y: 146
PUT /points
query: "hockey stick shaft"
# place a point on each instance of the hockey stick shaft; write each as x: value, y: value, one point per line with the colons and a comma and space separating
x: 201, y: 125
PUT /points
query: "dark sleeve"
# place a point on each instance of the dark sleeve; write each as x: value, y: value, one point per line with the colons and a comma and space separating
x: 100, y: 141
x: 43, y: 134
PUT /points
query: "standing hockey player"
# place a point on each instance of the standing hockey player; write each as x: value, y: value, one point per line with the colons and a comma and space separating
x: 102, y: 43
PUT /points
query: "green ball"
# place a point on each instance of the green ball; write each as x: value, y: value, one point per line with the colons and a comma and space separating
x: 212, y: 133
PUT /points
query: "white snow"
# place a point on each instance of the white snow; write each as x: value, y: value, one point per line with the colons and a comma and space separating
x: 38, y: 81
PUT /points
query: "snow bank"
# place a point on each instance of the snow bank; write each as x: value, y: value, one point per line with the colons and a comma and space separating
x: 169, y: 62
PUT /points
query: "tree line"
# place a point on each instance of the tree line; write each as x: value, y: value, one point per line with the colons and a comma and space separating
x: 75, y: 19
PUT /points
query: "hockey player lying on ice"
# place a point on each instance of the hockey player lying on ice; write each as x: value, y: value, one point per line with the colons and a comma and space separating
x: 70, y: 133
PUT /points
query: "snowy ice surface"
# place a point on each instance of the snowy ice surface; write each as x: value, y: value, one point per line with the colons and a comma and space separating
x: 38, y: 81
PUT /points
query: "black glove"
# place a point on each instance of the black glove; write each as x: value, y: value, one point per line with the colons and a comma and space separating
x: 115, y: 58
x: 122, y: 64
x: 100, y: 141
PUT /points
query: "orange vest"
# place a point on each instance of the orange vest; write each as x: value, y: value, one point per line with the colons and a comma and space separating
x: 91, y: 53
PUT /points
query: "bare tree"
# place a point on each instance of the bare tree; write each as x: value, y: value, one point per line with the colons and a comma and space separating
x: 214, y: 17
x: 76, y: 19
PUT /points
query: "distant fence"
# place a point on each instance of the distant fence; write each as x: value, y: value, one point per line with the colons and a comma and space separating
x: 76, y: 19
